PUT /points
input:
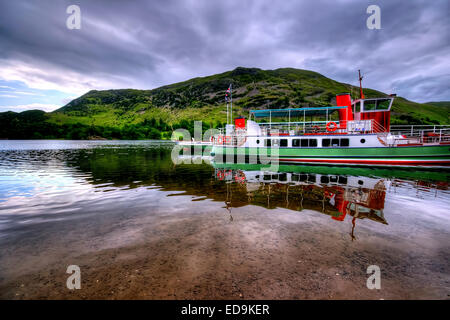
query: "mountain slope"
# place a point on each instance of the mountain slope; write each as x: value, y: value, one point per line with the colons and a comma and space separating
x: 252, y: 88
x: 444, y: 104
x: 114, y: 112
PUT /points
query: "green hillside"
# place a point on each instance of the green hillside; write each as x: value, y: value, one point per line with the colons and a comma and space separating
x: 136, y: 114
x: 444, y: 104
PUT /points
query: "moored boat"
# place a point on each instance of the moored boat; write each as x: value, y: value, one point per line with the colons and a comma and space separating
x: 354, y: 132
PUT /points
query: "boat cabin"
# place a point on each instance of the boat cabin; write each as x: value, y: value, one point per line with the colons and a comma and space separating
x: 359, y: 123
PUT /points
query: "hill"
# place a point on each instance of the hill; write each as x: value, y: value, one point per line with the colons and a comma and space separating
x: 135, y: 114
x: 445, y: 104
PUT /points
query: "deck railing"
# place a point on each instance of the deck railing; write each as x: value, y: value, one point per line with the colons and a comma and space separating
x: 321, y: 127
x: 422, y: 133
x: 403, y: 134
x: 418, y: 129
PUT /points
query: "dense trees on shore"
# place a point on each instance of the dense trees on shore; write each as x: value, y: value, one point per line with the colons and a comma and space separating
x: 35, y: 124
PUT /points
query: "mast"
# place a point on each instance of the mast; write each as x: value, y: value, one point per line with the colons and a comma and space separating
x: 231, y: 102
x: 229, y: 113
x: 227, y: 109
x: 226, y: 100
x: 361, y: 94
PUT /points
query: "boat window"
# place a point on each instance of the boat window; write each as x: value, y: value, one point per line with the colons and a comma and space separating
x: 303, y: 177
x: 274, y: 177
x: 267, y: 177
x: 334, y: 179
x: 304, y: 142
x: 356, y: 107
x: 345, y: 142
x: 295, y: 177
x: 383, y: 104
x: 324, y: 179
x: 257, y: 141
x: 283, y: 143
x: 268, y: 142
x: 342, y: 180
x: 370, y: 105
x: 311, y: 178
x: 336, y: 142
x: 275, y: 142
x: 308, y: 143
x: 296, y: 142
x: 378, y: 104
x: 283, y: 177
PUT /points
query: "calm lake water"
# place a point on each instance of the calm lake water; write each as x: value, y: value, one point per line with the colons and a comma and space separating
x: 139, y: 226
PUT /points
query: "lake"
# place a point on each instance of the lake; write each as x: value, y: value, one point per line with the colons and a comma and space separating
x: 140, y: 227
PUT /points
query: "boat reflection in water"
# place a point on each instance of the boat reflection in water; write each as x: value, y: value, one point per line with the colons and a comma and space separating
x: 336, y: 195
x: 148, y: 228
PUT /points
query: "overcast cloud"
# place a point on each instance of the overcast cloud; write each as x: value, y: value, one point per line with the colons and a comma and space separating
x: 146, y: 44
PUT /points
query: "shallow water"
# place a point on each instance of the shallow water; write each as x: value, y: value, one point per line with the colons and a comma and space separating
x: 141, y: 227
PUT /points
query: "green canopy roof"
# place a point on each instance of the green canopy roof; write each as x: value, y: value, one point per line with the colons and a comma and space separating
x: 294, y: 112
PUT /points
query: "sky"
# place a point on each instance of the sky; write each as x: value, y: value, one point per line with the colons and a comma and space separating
x: 147, y: 44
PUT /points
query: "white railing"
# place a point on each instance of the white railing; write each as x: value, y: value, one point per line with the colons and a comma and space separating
x: 403, y: 134
x: 237, y: 137
x: 230, y: 140
x: 193, y: 143
x: 415, y: 130
x: 422, y: 133
x: 322, y: 127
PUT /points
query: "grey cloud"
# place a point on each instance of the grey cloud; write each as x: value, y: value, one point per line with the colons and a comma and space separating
x: 427, y: 87
x: 145, y: 44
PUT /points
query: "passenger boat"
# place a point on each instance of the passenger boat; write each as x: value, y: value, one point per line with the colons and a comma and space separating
x: 354, y: 132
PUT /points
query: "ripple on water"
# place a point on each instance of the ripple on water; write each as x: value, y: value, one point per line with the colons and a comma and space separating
x: 66, y: 199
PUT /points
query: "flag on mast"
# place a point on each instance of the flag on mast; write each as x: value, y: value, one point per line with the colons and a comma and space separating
x: 227, y: 93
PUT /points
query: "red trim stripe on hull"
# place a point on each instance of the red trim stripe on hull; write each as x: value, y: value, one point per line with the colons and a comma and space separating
x: 383, y: 162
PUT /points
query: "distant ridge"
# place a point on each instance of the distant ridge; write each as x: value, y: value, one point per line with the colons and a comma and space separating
x: 445, y: 104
